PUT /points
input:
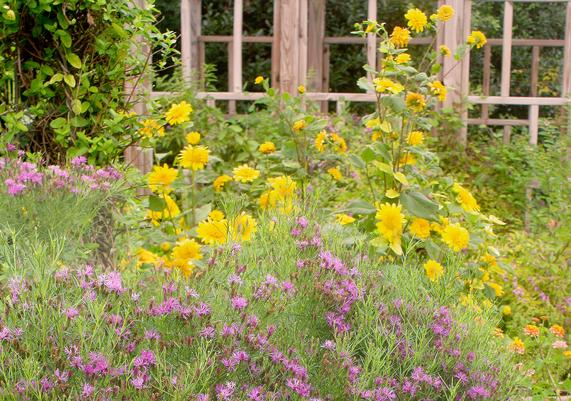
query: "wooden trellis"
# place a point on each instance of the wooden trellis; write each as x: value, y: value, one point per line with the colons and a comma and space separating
x: 299, y: 46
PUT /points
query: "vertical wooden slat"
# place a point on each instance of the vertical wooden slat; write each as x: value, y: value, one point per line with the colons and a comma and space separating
x: 196, y: 59
x: 185, y: 39
x: 276, y: 45
x: 507, y: 134
x: 231, y: 103
x: 371, y: 40
x: 533, y: 124
x: 289, y: 45
x: 237, y: 47
x: 466, y: 26
x: 486, y: 80
x: 315, y: 39
x: 325, y: 84
x: 534, y: 69
x: 303, y: 45
x: 507, y: 52
x: 566, y: 86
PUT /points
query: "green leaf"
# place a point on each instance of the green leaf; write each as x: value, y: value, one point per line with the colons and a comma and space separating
x: 73, y: 59
x: 362, y: 207
x: 55, y: 78
x: 368, y: 155
x: 76, y: 106
x: 59, y: 122
x: 357, y: 161
x: 395, y: 102
x: 69, y: 80
x: 419, y: 205
x: 156, y: 203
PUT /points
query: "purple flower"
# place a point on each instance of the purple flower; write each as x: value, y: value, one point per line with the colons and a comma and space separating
x: 239, y: 303
x: 225, y: 391
x: 78, y: 161
x: 71, y: 313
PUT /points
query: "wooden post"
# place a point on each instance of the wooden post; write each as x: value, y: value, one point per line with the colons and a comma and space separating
x: 231, y: 103
x: 190, y: 30
x: 371, y: 41
x: 303, y: 42
x: 486, y: 80
x: 507, y: 54
x: 276, y: 45
x: 566, y: 87
x: 534, y: 70
x: 533, y: 124
x: 465, y: 77
x: 315, y: 39
x: 237, y: 47
x: 289, y: 45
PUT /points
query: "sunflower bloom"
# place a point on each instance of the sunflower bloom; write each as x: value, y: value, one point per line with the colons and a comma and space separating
x: 320, y: 141
x: 344, y: 219
x: 259, y: 79
x: 194, y: 157
x: 400, y: 36
x: 465, y: 199
x: 243, y: 227
x: 170, y: 211
x: 267, y: 148
x: 445, y: 13
x: 417, y: 20
x: 415, y: 101
x: 456, y: 237
x: 403, y: 58
x: 151, y: 127
x: 339, y: 142
x: 415, y: 138
x: 444, y: 50
x: 299, y: 125
x: 390, y: 223
x: 335, y: 173
x: 477, y: 38
x: 161, y: 178
x: 385, y: 85
x: 438, y: 90
x: 216, y: 215
x: 245, y: 173
x: 219, y: 182
x: 178, y: 113
x: 187, y: 249
x: 193, y: 138
x: 433, y: 270
x: 420, y: 228
x: 212, y: 232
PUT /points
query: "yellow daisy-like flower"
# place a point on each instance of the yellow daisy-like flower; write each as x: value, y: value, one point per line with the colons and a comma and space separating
x: 281, y: 196
x: 557, y: 331
x: 531, y: 330
x: 340, y: 144
x: 299, y: 125
x: 407, y: 159
x: 465, y: 198
x: 344, y: 219
x: 320, y: 141
x: 390, y: 223
x: 498, y: 289
x: 161, y: 178
x: 145, y: 256
x: 477, y: 38
x: 178, y: 113
x: 151, y: 127
x: 245, y: 173
x: 371, y: 25
x: 400, y: 36
x: 415, y: 101
x: 445, y: 13
x: 193, y: 138
x: 216, y: 215
x: 301, y: 89
x: 517, y: 346
x: 439, y: 90
x: 212, y: 232
x: 433, y: 270
x: 243, y: 227
x: 335, y: 173
x: 194, y: 157
x: 567, y: 354
x: 267, y: 148
x: 187, y: 249
x: 219, y: 182
x: 417, y: 20
x: 420, y: 228
x: 170, y: 211
x: 456, y: 237
x: 444, y: 50
x: 415, y: 138
x: 165, y: 246
x: 284, y: 186
x: 259, y: 79
x: 403, y: 58
x: 506, y: 310
x: 384, y: 85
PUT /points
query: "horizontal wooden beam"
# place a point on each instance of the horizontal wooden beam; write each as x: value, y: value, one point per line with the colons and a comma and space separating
x: 530, y: 42
x: 355, y: 40
x: 229, y: 38
x: 497, y: 121
x: 520, y: 100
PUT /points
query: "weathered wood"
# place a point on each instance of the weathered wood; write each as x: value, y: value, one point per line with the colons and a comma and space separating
x: 229, y: 38
x: 231, y: 103
x: 507, y: 135
x: 237, y: 47
x: 566, y: 85
x: 190, y: 29
x: 315, y: 43
x: 303, y: 45
x: 196, y: 59
x: 465, y: 64
x: 289, y: 45
x: 276, y: 44
x: 487, y: 66
x: 350, y: 40
x: 533, y: 124
x: 498, y: 121
x: 534, y: 70
x: 520, y: 100
x: 507, y: 48
x: 371, y: 41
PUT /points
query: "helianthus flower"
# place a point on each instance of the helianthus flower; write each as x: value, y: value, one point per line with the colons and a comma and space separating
x: 390, y: 223
x: 384, y: 85
x: 444, y: 50
x: 212, y: 232
x: 406, y: 159
x: 284, y: 186
x: 400, y: 36
x: 403, y: 58
x: 145, y: 256
x: 245, y: 173
x: 194, y: 157
x: 170, y: 211
x: 417, y: 20
x: 477, y: 38
x: 243, y: 227
x: 193, y: 138
x: 456, y: 237
x: 301, y: 89
x: 299, y: 125
x: 178, y: 113
x: 151, y: 127
x: 445, y: 13
x: 267, y: 148
x: 498, y: 289
x: 344, y: 219
x: 281, y: 196
x: 415, y: 138
x: 415, y: 101
x: 420, y: 228
x: 259, y: 79
x: 433, y: 270
x: 216, y: 215
x: 506, y: 310
x: 219, y: 182
x: 335, y: 173
x: 161, y: 177
x: 340, y: 144
x: 438, y: 89
x: 465, y: 199
x: 187, y: 249
x: 320, y: 141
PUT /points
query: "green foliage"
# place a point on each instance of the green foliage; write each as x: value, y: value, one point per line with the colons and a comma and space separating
x: 64, y: 69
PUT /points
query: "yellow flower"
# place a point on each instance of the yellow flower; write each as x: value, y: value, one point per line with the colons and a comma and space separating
x: 477, y: 38
x: 178, y: 113
x: 531, y: 330
x: 340, y: 144
x: 344, y: 219
x: 444, y: 50
x: 259, y: 79
x: 403, y: 58
x: 170, y: 211
x: 165, y: 246
x: 557, y: 331
x: 145, y: 256
x: 299, y: 125
x: 517, y: 346
x: 434, y: 270
x: 415, y: 138
x: 400, y: 36
x: 407, y: 158
x: 439, y: 90
x: 456, y: 237
x: 281, y: 196
x: 187, y: 249
x: 212, y: 231
x: 320, y: 141
x: 383, y: 85
x: 161, y: 177
x: 567, y: 354
x: 465, y: 199
x: 498, y: 289
x: 243, y: 227
x: 415, y: 101
x: 219, y: 182
x: 335, y: 173
x: 193, y: 138
x: 497, y: 332
x: 376, y: 135
x: 445, y: 13
x: 417, y: 20
x: 390, y: 223
x: 371, y: 25
x: 194, y: 157
x: 150, y: 127
x: 283, y: 185
x: 267, y: 148
x: 245, y: 173
x: 506, y: 310
x: 420, y: 228
x: 301, y: 89
x: 216, y: 215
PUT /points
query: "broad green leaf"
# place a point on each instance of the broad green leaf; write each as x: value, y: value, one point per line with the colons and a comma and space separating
x: 156, y: 203
x: 419, y: 205
x: 69, y: 80
x: 73, y: 59
x: 357, y: 161
x: 392, y: 194
x: 55, y: 78
x: 368, y: 155
x: 359, y: 206
x: 400, y: 177
x: 384, y: 167
x: 58, y: 123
